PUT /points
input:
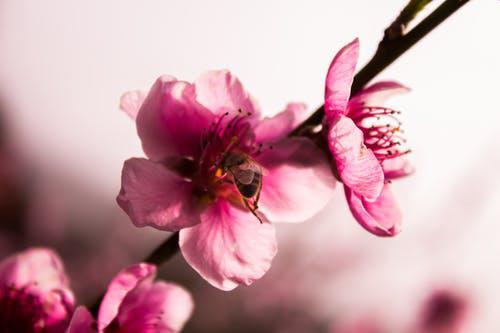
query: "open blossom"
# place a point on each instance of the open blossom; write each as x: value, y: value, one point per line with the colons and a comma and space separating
x: 219, y: 173
x: 34, y: 293
x: 366, y: 142
x: 134, y: 303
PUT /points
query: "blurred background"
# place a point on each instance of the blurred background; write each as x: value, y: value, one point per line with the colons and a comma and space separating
x: 64, y: 65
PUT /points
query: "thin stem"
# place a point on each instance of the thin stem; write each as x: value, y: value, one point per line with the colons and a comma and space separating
x: 166, y: 250
x: 388, y: 51
x: 398, y: 27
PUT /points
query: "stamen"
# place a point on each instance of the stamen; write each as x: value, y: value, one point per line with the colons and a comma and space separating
x: 381, y: 130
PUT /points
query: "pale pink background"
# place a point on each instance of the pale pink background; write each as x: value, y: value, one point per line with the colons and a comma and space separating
x: 64, y: 65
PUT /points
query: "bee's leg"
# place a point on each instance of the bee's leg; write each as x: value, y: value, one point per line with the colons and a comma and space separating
x: 256, y: 200
x: 252, y: 209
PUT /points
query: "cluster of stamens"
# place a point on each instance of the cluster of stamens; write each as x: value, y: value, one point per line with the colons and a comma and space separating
x: 382, y: 131
x: 225, y: 135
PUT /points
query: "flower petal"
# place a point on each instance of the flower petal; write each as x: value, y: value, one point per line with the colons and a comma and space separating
x: 153, y: 195
x: 40, y: 272
x: 397, y: 167
x: 155, y: 308
x: 36, y: 266
x: 358, y: 167
x: 170, y: 122
x: 298, y: 181
x: 131, y: 102
x: 381, y: 217
x: 229, y: 247
x: 82, y: 322
x: 339, y: 79
x: 220, y: 92
x: 275, y: 128
x: 120, y: 286
x: 376, y: 94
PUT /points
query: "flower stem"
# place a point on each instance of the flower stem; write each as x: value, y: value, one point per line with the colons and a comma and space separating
x: 166, y: 250
x: 389, y: 50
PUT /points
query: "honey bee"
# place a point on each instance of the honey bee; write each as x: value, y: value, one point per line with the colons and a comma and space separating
x: 247, y: 177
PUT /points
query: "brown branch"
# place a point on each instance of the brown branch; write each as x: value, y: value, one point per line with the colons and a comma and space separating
x: 387, y: 52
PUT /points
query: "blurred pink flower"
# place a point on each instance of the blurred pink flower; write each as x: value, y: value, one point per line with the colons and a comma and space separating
x: 365, y: 140
x: 444, y: 311
x: 210, y: 156
x: 34, y: 293
x: 134, y: 303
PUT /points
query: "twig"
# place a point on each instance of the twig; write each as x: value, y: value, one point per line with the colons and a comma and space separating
x: 387, y: 52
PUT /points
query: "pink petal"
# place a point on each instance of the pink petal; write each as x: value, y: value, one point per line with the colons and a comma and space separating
x: 273, y: 129
x: 297, y: 182
x: 40, y: 272
x: 120, y: 286
x: 339, y: 79
x: 158, y: 308
x: 381, y: 217
x: 82, y: 322
x: 397, y: 167
x: 358, y: 167
x: 376, y: 94
x: 36, y: 266
x: 153, y: 195
x: 170, y: 121
x: 220, y: 92
x: 229, y: 247
x: 131, y: 102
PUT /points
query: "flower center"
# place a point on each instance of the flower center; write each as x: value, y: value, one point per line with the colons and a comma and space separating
x: 21, y: 311
x: 226, y: 136
x: 382, y: 131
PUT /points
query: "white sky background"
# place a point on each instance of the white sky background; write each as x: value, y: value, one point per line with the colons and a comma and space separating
x: 64, y: 65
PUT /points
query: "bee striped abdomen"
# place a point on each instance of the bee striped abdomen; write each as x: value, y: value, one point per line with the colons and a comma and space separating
x: 250, y: 190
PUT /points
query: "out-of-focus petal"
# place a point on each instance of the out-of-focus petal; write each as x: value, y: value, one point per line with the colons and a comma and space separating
x: 339, y: 79
x: 229, y: 247
x: 221, y: 92
x: 155, y: 308
x: 397, y: 167
x: 36, y: 266
x: 358, y: 167
x: 377, y: 93
x: 131, y: 102
x: 297, y: 183
x: 39, y: 273
x: 153, y: 195
x: 120, y: 286
x: 82, y: 322
x: 170, y: 121
x: 381, y: 217
x: 275, y: 128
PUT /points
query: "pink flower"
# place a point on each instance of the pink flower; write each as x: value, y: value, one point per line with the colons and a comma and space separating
x: 366, y: 143
x: 219, y: 173
x: 134, y: 303
x: 34, y: 293
x: 444, y: 312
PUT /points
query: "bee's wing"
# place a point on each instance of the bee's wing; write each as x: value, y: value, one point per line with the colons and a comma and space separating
x: 244, y: 176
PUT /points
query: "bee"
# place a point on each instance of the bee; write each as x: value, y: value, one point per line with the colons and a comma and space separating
x: 247, y: 177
